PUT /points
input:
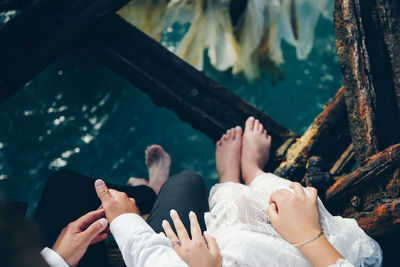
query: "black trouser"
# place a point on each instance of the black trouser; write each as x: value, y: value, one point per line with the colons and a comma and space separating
x: 69, y: 195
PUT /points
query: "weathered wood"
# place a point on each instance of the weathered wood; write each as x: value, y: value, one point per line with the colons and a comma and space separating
x: 344, y: 163
x: 389, y: 16
x: 371, y: 170
x: 173, y: 83
x: 367, y: 78
x: 327, y: 137
x: 383, y: 219
x: 6, y: 5
x: 37, y: 36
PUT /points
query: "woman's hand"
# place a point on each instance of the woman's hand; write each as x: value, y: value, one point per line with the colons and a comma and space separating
x: 294, y: 215
x: 195, y: 251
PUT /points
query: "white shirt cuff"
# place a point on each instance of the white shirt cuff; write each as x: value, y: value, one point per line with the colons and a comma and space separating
x: 127, y: 225
x: 52, y: 258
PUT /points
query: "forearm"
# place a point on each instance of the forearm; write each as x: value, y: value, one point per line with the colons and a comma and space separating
x: 140, y: 245
x: 320, y: 252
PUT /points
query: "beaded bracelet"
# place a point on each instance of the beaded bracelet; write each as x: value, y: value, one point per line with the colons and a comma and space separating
x: 298, y: 245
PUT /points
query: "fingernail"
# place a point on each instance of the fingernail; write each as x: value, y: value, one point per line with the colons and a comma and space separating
x: 228, y: 131
x: 164, y: 222
x: 205, y: 233
x: 99, y: 183
x: 103, y: 222
x: 191, y: 213
x: 173, y: 212
x: 251, y: 118
x: 238, y: 128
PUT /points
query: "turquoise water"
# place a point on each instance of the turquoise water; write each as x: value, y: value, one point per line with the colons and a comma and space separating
x: 79, y: 115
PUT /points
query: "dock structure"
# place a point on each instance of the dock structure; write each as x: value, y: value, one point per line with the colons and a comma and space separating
x: 351, y: 152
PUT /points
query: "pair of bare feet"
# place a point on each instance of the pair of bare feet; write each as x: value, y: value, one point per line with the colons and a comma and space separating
x: 158, y: 164
x: 243, y: 154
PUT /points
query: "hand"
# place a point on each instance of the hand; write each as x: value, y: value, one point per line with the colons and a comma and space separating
x: 294, y: 215
x: 74, y: 239
x: 195, y: 251
x: 114, y: 203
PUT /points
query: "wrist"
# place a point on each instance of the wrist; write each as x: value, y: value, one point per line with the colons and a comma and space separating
x: 320, y: 252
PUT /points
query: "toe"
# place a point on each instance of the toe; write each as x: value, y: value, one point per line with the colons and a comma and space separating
x: 249, y: 124
x: 256, y: 125
x: 260, y: 128
x: 238, y: 131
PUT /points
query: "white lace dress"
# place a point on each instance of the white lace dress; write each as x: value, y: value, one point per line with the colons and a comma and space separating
x: 239, y: 222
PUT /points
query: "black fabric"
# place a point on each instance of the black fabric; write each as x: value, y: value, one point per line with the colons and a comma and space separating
x: 183, y: 192
x: 69, y: 195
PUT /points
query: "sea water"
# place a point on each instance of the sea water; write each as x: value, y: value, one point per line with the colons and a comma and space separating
x: 78, y: 114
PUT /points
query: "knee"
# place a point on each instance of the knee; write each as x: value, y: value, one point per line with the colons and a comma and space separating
x: 191, y: 177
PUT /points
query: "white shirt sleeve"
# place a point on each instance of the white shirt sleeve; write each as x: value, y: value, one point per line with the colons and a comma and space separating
x: 140, y: 245
x: 52, y: 258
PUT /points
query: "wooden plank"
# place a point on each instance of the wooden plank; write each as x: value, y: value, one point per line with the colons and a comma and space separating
x: 371, y: 170
x: 6, y: 5
x: 344, y: 163
x: 389, y: 17
x: 173, y: 83
x: 326, y: 137
x: 367, y: 78
x: 381, y: 220
x: 38, y: 35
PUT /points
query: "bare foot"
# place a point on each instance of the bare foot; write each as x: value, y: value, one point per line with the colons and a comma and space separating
x: 227, y: 155
x: 255, y: 150
x: 158, y: 163
x: 133, y: 181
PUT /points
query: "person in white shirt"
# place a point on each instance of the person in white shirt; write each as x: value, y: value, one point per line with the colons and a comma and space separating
x: 270, y: 221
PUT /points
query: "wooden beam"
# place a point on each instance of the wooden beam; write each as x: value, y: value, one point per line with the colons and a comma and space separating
x: 173, y: 83
x: 381, y: 220
x: 38, y: 35
x: 6, y: 5
x: 326, y: 137
x: 371, y: 170
x: 367, y: 78
x: 389, y: 17
x: 344, y: 163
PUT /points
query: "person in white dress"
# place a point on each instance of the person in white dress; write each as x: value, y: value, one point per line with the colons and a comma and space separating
x: 268, y: 220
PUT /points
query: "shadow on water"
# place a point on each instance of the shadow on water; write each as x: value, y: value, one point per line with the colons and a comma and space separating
x: 79, y: 115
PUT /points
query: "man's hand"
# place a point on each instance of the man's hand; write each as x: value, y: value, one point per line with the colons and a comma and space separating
x: 114, y: 203
x: 197, y: 251
x: 74, y: 239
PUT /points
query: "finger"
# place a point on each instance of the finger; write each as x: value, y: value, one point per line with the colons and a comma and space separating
x: 279, y: 195
x: 212, y: 244
x: 95, y: 229
x: 313, y: 193
x: 272, y: 212
x: 298, y: 189
x: 180, y: 228
x: 169, y: 232
x: 195, y: 227
x: 162, y: 233
x: 99, y: 238
x: 87, y: 219
x: 102, y: 191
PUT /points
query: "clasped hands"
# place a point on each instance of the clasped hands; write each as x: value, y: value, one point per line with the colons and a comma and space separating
x: 294, y: 215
